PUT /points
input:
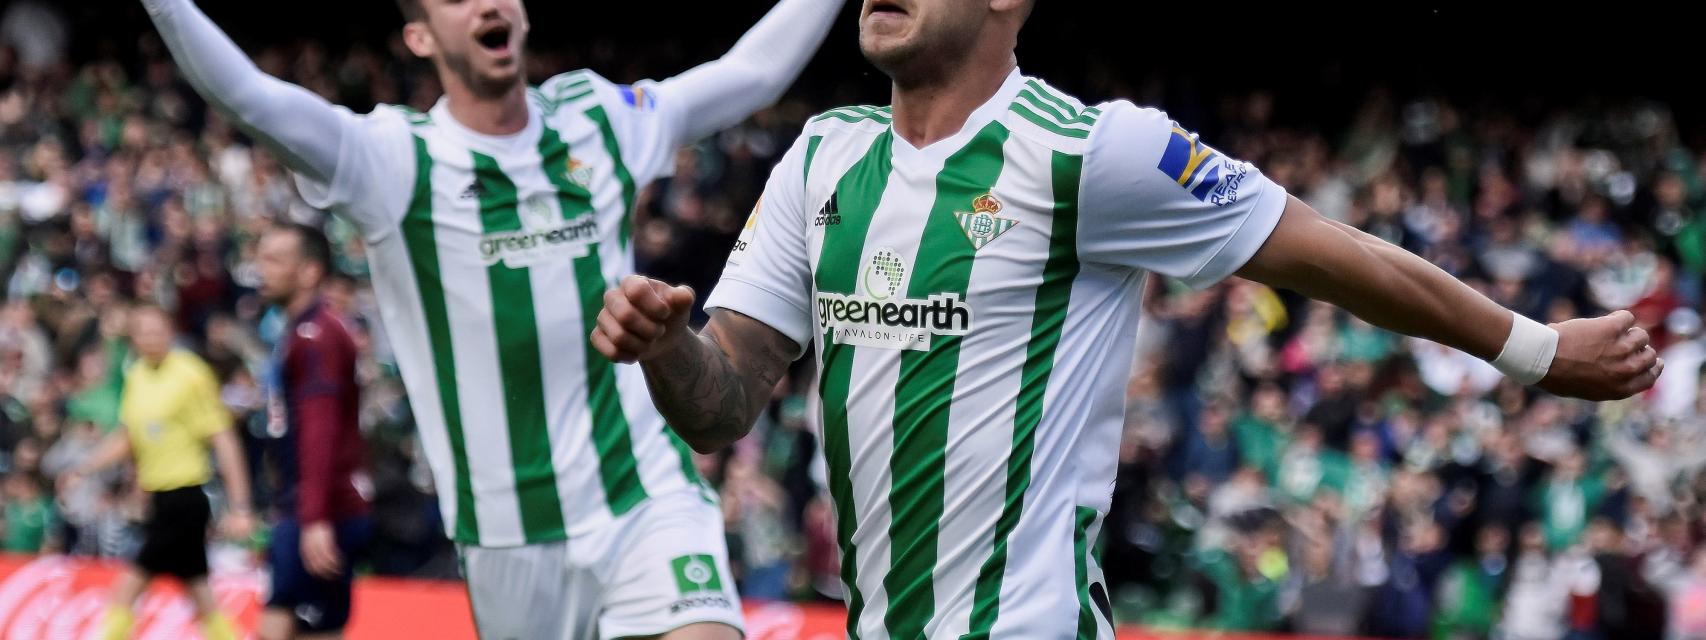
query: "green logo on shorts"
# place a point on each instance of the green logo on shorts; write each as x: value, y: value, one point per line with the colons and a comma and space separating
x: 696, y: 573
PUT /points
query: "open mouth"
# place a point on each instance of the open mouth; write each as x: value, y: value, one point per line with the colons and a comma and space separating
x: 494, y: 38
x: 887, y: 8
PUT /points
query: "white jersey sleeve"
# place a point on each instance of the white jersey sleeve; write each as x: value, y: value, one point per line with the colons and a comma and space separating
x: 1154, y: 197
x: 374, y: 178
x: 721, y: 93
x: 768, y: 276
x: 355, y: 166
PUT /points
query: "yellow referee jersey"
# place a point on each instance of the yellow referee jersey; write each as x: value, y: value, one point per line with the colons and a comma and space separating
x: 169, y: 412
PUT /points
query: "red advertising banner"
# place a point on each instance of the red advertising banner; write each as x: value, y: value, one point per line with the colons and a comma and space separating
x: 59, y: 598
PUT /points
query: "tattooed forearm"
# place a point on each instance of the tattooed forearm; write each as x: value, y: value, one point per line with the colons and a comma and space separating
x: 712, y: 386
x: 699, y: 393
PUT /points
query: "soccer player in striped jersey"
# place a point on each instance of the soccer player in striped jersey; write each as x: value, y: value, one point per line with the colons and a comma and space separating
x: 494, y: 224
x: 968, y: 264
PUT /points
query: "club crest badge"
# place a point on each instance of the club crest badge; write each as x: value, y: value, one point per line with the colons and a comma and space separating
x: 982, y: 225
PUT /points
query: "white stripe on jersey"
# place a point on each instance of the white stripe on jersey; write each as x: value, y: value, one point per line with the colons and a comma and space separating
x: 870, y: 432
x: 479, y: 375
x: 980, y: 427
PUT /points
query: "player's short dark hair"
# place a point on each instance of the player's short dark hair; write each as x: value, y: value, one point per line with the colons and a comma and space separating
x: 412, y: 10
x: 312, y: 242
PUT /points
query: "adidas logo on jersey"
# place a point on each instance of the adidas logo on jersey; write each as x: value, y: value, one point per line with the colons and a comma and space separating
x: 830, y: 214
x: 878, y: 319
x: 473, y: 192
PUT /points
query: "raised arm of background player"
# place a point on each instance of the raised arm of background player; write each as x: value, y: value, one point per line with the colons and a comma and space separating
x: 711, y: 386
x: 308, y: 131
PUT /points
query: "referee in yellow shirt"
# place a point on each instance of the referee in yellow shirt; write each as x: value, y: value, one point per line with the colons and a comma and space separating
x: 172, y: 415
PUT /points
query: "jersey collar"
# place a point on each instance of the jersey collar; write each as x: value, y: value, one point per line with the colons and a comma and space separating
x: 985, y: 113
x: 527, y: 138
x: 312, y: 309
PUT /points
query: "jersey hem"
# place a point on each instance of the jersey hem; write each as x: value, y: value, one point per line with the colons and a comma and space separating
x: 605, y: 520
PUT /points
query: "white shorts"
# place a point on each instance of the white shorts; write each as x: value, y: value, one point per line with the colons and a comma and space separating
x: 655, y: 569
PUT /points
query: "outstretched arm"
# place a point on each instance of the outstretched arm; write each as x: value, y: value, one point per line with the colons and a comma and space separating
x: 1597, y: 359
x: 710, y: 386
x: 721, y: 93
x: 302, y: 127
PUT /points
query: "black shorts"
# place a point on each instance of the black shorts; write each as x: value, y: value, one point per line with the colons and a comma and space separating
x: 174, y: 540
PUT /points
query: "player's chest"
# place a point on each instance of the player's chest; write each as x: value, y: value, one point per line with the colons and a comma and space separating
x: 526, y: 206
x: 931, y: 254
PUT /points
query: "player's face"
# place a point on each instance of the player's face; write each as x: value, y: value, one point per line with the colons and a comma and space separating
x: 278, y: 258
x: 478, y: 40
x: 899, y: 35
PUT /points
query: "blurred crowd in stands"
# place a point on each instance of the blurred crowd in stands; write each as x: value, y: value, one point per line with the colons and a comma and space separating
x: 1285, y: 467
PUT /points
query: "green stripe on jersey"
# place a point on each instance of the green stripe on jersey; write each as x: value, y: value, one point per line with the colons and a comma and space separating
x: 605, y: 131
x: 1079, y: 114
x: 523, y: 383
x: 1046, y: 124
x: 839, y: 114
x: 1047, y: 319
x: 1081, y: 572
x: 685, y: 453
x: 874, y: 113
x: 925, y: 390
x: 1053, y: 97
x: 857, y: 113
x: 564, y: 89
x: 859, y: 192
x: 618, y: 470
x: 1056, y: 115
x: 578, y: 95
x: 420, y: 239
x: 811, y: 152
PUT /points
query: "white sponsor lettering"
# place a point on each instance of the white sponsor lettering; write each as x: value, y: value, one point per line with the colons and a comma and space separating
x: 894, y: 323
x: 527, y: 247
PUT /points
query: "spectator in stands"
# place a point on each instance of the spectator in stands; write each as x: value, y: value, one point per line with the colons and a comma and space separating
x: 30, y: 517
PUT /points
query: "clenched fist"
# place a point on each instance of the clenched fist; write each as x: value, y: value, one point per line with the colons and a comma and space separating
x: 1605, y: 358
x: 641, y: 318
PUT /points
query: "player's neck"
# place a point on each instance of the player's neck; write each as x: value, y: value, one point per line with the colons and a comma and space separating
x: 493, y: 115
x: 929, y: 111
x: 301, y: 302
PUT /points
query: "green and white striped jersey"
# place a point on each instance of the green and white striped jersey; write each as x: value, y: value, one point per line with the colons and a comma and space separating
x: 974, y: 306
x: 490, y: 258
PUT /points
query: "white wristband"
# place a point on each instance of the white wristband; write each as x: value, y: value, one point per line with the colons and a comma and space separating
x: 1528, y: 351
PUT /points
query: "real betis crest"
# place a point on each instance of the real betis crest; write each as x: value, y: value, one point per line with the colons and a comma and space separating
x: 982, y: 225
x: 578, y: 172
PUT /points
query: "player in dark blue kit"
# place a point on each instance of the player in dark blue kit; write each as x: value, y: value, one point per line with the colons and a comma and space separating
x: 317, y: 452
